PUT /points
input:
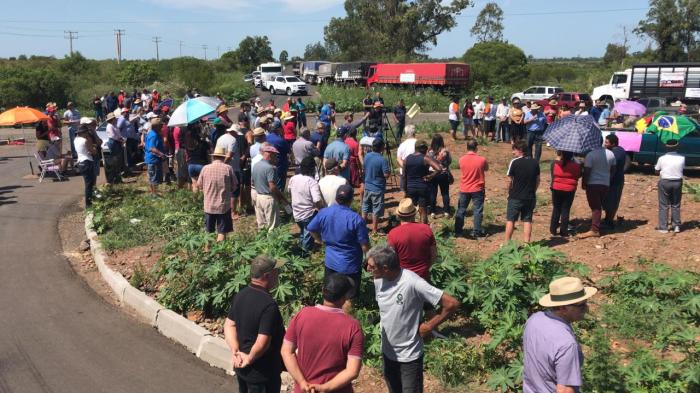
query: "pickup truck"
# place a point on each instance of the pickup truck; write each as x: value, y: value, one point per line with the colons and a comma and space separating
x: 287, y: 84
x: 646, y: 148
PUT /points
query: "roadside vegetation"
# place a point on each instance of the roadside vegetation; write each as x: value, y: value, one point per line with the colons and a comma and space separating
x: 642, y: 334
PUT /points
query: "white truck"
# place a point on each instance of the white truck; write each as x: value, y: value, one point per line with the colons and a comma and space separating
x: 287, y: 84
x: 268, y: 72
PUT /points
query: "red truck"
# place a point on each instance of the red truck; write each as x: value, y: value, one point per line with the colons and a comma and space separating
x: 419, y: 74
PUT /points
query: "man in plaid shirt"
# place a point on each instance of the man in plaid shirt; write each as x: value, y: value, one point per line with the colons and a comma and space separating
x: 217, y: 181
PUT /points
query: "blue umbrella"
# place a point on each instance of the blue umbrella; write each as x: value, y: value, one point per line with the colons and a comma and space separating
x: 190, y: 111
x: 577, y: 134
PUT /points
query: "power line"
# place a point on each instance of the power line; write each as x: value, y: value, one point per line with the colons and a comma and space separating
x: 181, y: 42
x: 118, y: 33
x: 205, y: 51
x: 157, y: 40
x: 70, y: 36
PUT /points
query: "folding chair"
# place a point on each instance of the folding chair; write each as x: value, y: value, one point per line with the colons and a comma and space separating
x: 48, y: 166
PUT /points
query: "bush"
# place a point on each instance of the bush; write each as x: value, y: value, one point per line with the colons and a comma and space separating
x: 349, y: 99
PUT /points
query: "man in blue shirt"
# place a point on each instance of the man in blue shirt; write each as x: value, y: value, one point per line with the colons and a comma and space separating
x: 377, y: 171
x: 536, y: 123
x: 275, y: 139
x: 604, y: 114
x: 154, y: 154
x: 339, y: 151
x: 326, y: 116
x: 345, y: 234
x: 318, y: 138
x: 400, y: 115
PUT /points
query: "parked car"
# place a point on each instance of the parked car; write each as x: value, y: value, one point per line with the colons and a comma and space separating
x: 570, y: 99
x: 651, y: 147
x: 289, y: 85
x: 248, y: 78
x: 534, y: 93
x: 257, y: 81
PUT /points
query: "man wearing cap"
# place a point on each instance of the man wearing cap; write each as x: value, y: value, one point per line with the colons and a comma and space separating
x: 535, y: 122
x: 71, y: 117
x: 303, y: 147
x: 413, y: 242
x: 331, y: 182
x: 229, y: 144
x: 478, y: 106
x: 670, y: 167
x: 306, y: 199
x: 268, y: 196
x: 87, y: 153
x: 376, y: 168
x: 154, y: 155
x: 115, y: 143
x: 218, y: 183
x: 254, y: 330
x: 340, y: 152
x: 401, y: 295
x: 325, y: 329
x: 552, y: 356
x: 345, y: 235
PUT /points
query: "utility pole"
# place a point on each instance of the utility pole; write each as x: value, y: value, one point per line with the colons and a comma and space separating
x: 181, y: 42
x: 205, y: 51
x: 157, y: 40
x: 218, y: 52
x: 70, y: 36
x: 118, y: 33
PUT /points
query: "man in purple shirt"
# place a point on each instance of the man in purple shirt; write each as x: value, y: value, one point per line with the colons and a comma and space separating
x: 553, y: 357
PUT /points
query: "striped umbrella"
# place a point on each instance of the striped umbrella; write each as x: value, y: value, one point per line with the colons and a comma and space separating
x: 577, y: 134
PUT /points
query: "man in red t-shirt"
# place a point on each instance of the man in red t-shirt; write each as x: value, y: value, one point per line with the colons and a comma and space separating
x: 414, y: 242
x: 323, y: 346
x: 472, y: 186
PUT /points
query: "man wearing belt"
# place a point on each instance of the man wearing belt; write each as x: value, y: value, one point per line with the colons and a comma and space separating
x: 116, y: 150
x: 670, y: 167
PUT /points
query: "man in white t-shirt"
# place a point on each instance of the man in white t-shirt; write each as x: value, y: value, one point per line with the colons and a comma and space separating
x: 478, y: 106
x: 406, y: 148
x: 670, y: 167
x: 599, y: 166
x: 229, y: 144
x: 401, y: 295
x: 331, y: 182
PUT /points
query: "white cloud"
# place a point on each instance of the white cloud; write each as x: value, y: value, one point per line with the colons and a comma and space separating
x: 296, y: 6
x: 309, y: 6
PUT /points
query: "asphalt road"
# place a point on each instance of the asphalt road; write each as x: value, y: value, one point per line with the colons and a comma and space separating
x: 56, y: 334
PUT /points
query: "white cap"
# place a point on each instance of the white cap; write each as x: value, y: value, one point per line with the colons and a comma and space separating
x: 87, y: 120
x: 476, y: 97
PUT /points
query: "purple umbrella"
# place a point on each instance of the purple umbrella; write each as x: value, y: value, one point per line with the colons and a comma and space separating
x: 630, y: 108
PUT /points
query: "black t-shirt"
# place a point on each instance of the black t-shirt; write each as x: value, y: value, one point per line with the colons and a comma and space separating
x: 256, y: 312
x: 416, y: 170
x: 524, y: 172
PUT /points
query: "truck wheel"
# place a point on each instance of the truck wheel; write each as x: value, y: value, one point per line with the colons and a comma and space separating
x: 272, y: 91
x: 289, y: 91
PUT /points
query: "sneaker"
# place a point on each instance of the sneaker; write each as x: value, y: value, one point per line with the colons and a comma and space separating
x: 676, y: 229
x: 432, y: 215
x: 662, y: 230
x: 589, y: 234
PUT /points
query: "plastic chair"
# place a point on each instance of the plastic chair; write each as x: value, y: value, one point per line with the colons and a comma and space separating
x: 48, y: 166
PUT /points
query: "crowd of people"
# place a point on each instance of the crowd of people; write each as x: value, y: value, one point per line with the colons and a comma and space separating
x: 269, y: 164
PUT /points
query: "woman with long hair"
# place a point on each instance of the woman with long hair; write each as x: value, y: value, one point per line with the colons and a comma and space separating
x: 439, y: 153
x: 468, y: 118
x: 565, y: 174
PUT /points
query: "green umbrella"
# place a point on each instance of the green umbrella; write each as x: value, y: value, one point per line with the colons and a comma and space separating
x: 672, y: 126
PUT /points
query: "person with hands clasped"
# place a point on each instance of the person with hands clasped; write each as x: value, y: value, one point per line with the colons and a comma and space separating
x: 254, y: 330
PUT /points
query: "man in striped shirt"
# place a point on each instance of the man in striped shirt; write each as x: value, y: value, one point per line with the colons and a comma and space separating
x: 217, y: 180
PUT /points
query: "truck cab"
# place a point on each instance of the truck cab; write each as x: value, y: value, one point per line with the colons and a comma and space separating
x: 617, y: 89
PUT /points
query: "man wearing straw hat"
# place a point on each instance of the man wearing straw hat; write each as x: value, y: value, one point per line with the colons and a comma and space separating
x: 553, y: 357
x: 232, y: 150
x: 218, y: 182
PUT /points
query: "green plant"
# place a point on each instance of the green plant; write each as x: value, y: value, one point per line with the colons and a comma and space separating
x: 692, y: 189
x: 454, y: 361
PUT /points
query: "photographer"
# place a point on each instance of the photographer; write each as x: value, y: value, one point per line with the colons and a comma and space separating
x: 375, y: 122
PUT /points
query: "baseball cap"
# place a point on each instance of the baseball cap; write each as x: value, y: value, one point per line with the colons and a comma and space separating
x: 330, y: 164
x: 264, y: 264
x: 344, y: 194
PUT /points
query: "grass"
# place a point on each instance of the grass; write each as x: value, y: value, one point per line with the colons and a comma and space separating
x: 693, y: 190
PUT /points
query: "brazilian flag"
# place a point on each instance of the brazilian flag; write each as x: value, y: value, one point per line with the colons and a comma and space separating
x: 672, y: 126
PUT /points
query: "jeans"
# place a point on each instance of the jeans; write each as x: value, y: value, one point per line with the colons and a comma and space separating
x: 464, y: 199
x: 561, y: 208
x: 535, y: 138
x: 670, y: 192
x: 403, y: 377
x: 502, y: 131
x: 87, y: 170
x: 116, y: 161
x: 595, y: 193
x: 132, y: 148
x: 305, y: 240
x: 400, y: 126
x: 71, y: 134
x: 273, y: 386
x: 611, y: 202
x: 442, y: 182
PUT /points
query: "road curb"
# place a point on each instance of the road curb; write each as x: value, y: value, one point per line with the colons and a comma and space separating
x: 199, y: 341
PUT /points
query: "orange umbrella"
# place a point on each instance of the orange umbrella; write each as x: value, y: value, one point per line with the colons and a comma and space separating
x: 21, y: 115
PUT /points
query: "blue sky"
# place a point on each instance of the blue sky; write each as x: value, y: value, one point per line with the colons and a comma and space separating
x: 542, y: 28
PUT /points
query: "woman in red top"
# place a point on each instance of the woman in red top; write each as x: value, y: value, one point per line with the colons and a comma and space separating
x: 565, y: 175
x: 354, y: 161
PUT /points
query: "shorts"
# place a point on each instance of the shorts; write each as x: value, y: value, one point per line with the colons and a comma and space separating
x: 468, y: 121
x: 194, y: 170
x: 219, y: 223
x: 355, y: 277
x: 373, y: 202
x: 454, y: 124
x: 419, y: 196
x: 477, y: 122
x: 520, y: 208
x: 237, y: 191
x: 489, y: 125
x: 155, y: 173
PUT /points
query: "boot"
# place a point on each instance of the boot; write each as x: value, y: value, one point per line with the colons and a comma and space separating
x: 589, y: 234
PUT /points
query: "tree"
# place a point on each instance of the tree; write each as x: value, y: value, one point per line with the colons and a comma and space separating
x: 316, y: 51
x: 489, y: 24
x: 251, y: 52
x: 496, y: 63
x: 284, y: 56
x: 673, y: 26
x: 138, y: 73
x: 614, y: 54
x: 391, y: 29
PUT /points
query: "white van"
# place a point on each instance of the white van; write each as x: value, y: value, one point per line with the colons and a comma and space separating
x: 536, y: 93
x: 268, y: 72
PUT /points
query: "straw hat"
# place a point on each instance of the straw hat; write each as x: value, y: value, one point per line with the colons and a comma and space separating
x: 234, y: 128
x: 535, y: 106
x: 219, y: 151
x: 288, y: 117
x: 110, y: 116
x: 565, y: 291
x: 221, y: 108
x: 553, y: 102
x: 406, y: 208
x: 258, y: 131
